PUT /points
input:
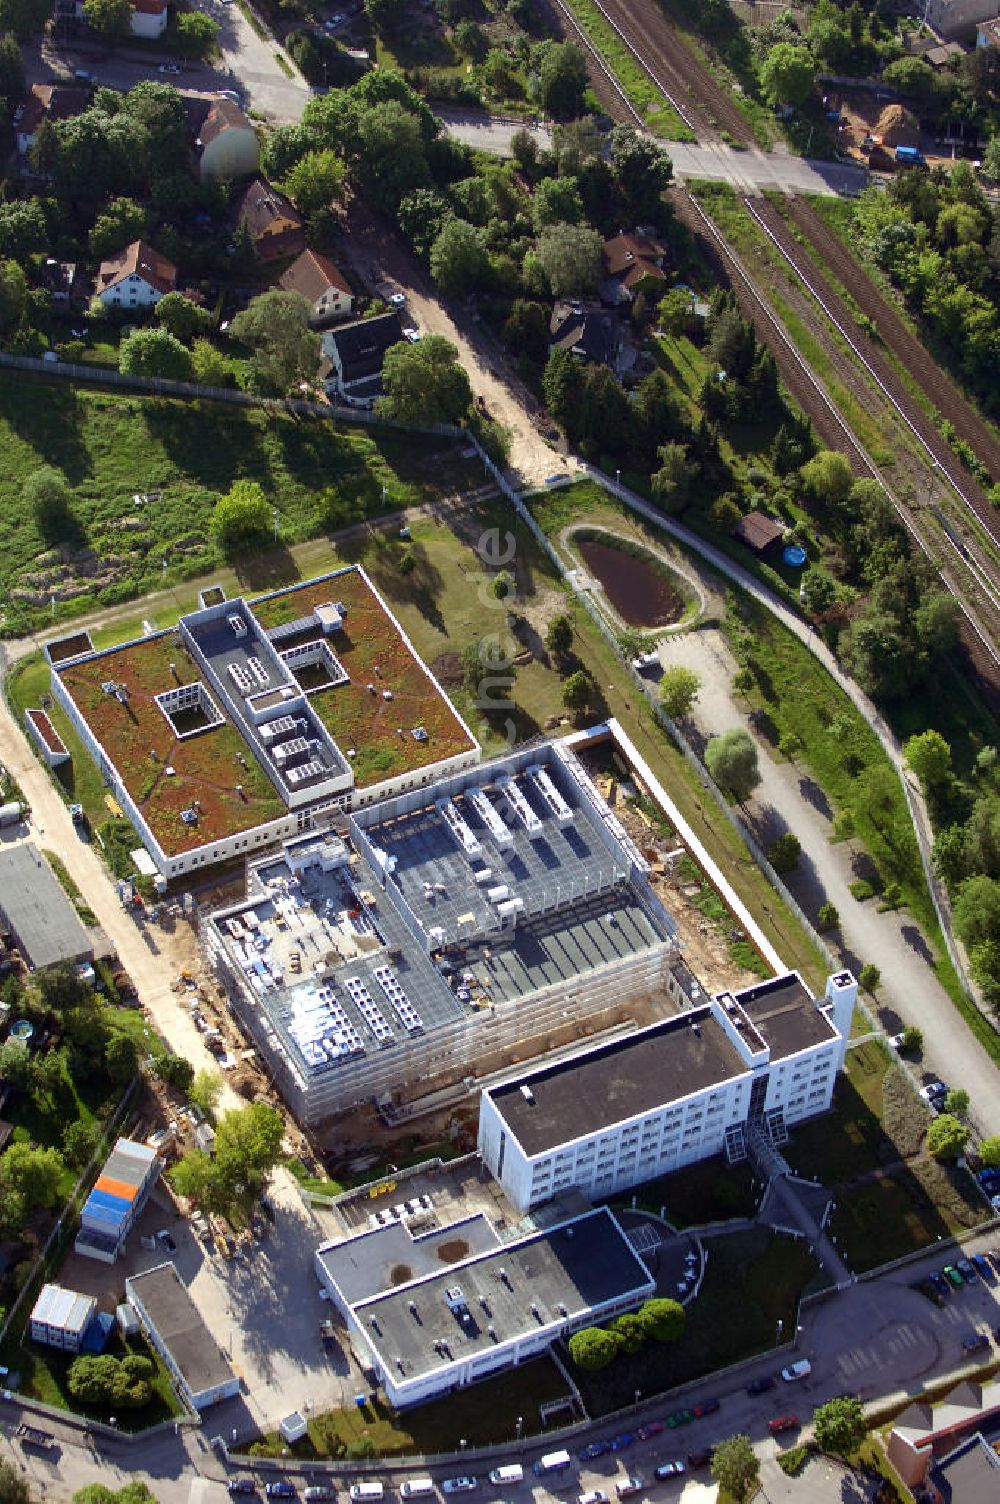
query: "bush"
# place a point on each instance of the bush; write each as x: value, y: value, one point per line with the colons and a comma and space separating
x: 593, y: 1348
x: 862, y: 889
x: 662, y: 1319
x: 827, y: 917
x: 946, y: 1137
x: 870, y: 978
x: 784, y: 853
x: 124, y: 1383
x: 913, y: 1039
x: 174, y: 1070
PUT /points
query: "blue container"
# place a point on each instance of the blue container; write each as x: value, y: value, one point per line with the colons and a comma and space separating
x: 794, y: 555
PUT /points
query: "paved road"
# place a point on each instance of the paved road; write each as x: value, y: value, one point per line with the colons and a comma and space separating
x: 752, y: 171
x: 246, y: 60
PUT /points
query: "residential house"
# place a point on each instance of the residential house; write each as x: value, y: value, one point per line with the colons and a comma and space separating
x: 939, y: 58
x: 274, y: 224
x: 588, y: 332
x: 47, y: 102
x: 228, y: 145
x: 355, y: 353
x: 988, y: 33
x: 57, y: 277
x: 149, y: 18
x: 631, y: 263
x: 324, y: 288
x: 137, y: 277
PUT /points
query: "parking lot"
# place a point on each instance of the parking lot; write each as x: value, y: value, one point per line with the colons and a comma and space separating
x: 262, y: 1306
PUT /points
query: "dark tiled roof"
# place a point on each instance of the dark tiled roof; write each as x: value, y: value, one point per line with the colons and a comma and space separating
x: 361, y: 345
x: 757, y: 531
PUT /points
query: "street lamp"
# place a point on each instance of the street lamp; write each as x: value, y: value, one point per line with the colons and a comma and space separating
x: 638, y: 1395
x: 276, y: 519
x: 780, y: 1328
x: 618, y: 477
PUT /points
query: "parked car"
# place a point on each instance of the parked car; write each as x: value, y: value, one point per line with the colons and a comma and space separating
x: 939, y: 1283
x: 670, y: 1469
x: 989, y: 1176
x: 983, y: 1268
x: 625, y: 1488
x: 397, y: 299
x: 594, y: 1449
x: 650, y: 1429
x: 975, y: 1342
x: 933, y: 1090
x: 952, y: 1275
x: 169, y: 68
x: 592, y: 1496
x: 242, y: 1486
x: 623, y: 1441
x: 317, y: 1491
x: 460, y: 1485
x: 706, y: 1407
x: 281, y: 1488
x: 795, y: 1371
x: 783, y: 1423
x: 680, y: 1418
x: 966, y: 1270
x: 761, y: 1385
x: 411, y: 334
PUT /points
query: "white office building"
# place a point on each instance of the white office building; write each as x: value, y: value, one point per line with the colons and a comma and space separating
x: 451, y: 1322
x: 699, y: 1084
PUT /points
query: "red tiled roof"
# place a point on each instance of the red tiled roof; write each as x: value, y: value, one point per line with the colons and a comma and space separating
x: 223, y: 116
x: 311, y: 275
x: 622, y: 251
x: 141, y: 259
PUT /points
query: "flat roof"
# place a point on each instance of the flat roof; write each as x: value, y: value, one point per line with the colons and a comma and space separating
x: 67, y: 1310
x: 180, y: 1327
x: 578, y: 1265
x: 589, y: 1092
x: 372, y: 1262
x: 784, y: 1014
x: 46, y: 925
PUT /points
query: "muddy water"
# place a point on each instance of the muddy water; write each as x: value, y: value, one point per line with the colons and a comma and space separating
x: 642, y: 595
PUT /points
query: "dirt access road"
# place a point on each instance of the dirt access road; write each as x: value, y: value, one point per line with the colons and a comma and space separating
x: 383, y: 264
x: 788, y: 799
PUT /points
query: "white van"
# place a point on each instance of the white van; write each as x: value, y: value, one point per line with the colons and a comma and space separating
x: 367, y: 1493
x: 512, y: 1473
x: 416, y: 1488
x: 552, y: 1462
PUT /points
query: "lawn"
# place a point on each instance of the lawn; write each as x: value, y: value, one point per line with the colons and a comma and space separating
x: 706, y: 1192
x: 753, y: 1280
x: 479, y: 1415
x: 111, y: 447
x: 908, y: 1208
x: 876, y: 1120
x: 43, y: 1376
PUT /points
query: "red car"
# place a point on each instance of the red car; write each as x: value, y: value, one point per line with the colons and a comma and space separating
x: 651, y: 1428
x: 783, y: 1423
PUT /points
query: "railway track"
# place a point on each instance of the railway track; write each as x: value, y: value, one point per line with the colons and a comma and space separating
x: 893, y: 332
x: 659, y: 48
x: 952, y: 559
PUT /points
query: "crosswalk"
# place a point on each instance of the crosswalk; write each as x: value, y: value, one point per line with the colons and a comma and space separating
x: 881, y: 1352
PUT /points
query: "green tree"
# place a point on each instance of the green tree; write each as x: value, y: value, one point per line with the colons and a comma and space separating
x: 33, y: 1174
x: 47, y: 497
x: 956, y: 1102
x: 17, y: 1065
x: 315, y: 181
x: 827, y: 917
x: 676, y: 311
x: 570, y: 256
x: 204, y: 1090
x: 24, y: 17
x: 122, y: 222
x: 870, y: 978
x: 840, y: 1425
x: 12, y: 80
x: 912, y: 1039
x: 662, y: 1319
x: 424, y: 383
x: 556, y: 201
x: 629, y: 1330
x: 196, y: 33
x: 276, y: 327
x: 679, y: 688
x: 210, y: 366
x: 827, y: 478
x: 106, y: 1381
x: 183, y: 318
x: 23, y: 228
x: 231, y: 1181
x: 458, y: 260
x: 818, y: 591
x: 641, y: 170
x: 559, y: 635
x: 593, y: 1348
x: 672, y: 482
x: 241, y: 517
x: 946, y: 1137
x: 121, y: 1059
x: 976, y: 912
x: 787, y: 74
x: 732, y: 761
x: 735, y: 1468
x: 989, y: 1152
x: 13, y: 297
x: 562, y: 386
x: 578, y: 691
x: 14, y: 1487
x: 562, y: 79
x: 784, y: 853
x: 111, y: 19
x: 174, y: 1071
x: 156, y: 353
x: 79, y: 1143
x: 929, y: 755
x: 991, y: 159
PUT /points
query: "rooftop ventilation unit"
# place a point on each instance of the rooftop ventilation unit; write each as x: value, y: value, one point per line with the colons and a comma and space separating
x: 419, y: 733
x: 189, y: 816
x: 237, y: 625
x: 528, y: 1095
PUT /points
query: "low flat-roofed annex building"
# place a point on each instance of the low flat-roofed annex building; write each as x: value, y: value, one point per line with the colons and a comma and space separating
x: 177, y: 1330
x: 700, y: 1084
x: 252, y: 720
x: 60, y: 1318
x: 36, y: 913
x: 455, y: 1321
x: 452, y: 921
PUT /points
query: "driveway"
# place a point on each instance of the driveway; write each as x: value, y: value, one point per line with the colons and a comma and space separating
x: 788, y: 799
